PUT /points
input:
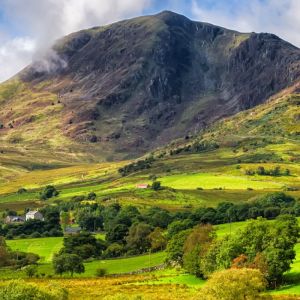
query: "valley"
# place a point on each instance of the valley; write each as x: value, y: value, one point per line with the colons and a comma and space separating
x: 158, y: 158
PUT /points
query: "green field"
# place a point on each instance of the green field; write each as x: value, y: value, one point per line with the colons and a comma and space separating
x: 44, y: 247
x: 211, y: 181
x: 112, y: 266
x: 124, y: 265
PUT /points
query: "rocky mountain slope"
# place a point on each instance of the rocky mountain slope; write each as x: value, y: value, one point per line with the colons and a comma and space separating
x: 120, y: 90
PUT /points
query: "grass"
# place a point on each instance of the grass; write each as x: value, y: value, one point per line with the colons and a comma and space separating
x: 112, y: 266
x: 211, y: 181
x: 44, y: 247
x: 124, y: 265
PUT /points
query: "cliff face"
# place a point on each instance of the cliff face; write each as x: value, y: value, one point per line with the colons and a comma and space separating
x: 137, y: 84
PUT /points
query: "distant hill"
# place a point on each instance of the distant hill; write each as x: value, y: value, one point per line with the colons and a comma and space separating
x: 118, y: 91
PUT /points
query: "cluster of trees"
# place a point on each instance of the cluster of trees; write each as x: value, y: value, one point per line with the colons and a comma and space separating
x: 35, y: 228
x: 130, y: 230
x: 15, y: 258
x: 268, y: 206
x: 263, y: 245
x: 196, y: 147
x: 84, y: 245
x: 276, y: 171
x: 137, y: 166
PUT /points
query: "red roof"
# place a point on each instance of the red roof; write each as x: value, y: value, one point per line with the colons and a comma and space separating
x: 142, y: 186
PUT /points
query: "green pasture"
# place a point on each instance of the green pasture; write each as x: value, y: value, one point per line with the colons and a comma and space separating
x: 44, y: 247
x: 124, y: 265
x: 213, y: 181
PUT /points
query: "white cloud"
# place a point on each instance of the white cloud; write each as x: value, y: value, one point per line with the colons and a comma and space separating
x: 15, y: 54
x: 280, y: 17
x: 46, y: 20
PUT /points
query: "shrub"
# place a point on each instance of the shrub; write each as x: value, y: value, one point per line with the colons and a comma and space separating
x: 100, y: 272
x: 35, y: 235
x: 30, y: 270
x: 48, y: 192
x: 156, y: 185
x: 235, y: 284
x: 20, y: 290
x: 78, y: 198
x: 22, y: 191
x: 91, y: 196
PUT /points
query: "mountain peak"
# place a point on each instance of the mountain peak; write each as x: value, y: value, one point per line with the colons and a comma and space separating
x: 134, y: 85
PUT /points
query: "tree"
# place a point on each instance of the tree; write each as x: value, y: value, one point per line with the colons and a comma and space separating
x: 91, y: 196
x: 4, y: 253
x: 195, y: 247
x: 175, y: 246
x: 178, y: 226
x: 267, y: 246
x: 49, y: 192
x: 156, y: 185
x: 31, y: 270
x: 52, y: 219
x: 157, y: 239
x: 277, y: 199
x: 158, y: 217
x: 90, y: 222
x: 68, y: 263
x: 117, y: 234
x: 137, y: 239
x: 83, y: 244
x: 237, y: 284
x: 64, y: 219
x: 261, y: 170
x: 113, y: 250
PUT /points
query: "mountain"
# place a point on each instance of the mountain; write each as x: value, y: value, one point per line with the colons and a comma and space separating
x: 121, y: 90
x: 269, y: 132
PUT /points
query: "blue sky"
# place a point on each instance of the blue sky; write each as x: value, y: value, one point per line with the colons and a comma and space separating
x: 29, y: 27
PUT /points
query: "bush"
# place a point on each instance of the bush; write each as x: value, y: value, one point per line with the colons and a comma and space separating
x: 156, y: 185
x: 78, y: 198
x: 91, y: 196
x: 100, y: 272
x: 113, y: 250
x: 30, y: 270
x: 35, y: 235
x: 20, y: 290
x: 22, y: 190
x: 234, y: 284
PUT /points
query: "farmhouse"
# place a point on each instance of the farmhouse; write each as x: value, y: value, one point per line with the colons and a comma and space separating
x: 72, y: 230
x: 34, y: 215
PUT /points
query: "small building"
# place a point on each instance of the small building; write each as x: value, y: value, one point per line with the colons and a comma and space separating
x: 72, y: 230
x: 142, y: 186
x: 14, y: 219
x: 34, y: 215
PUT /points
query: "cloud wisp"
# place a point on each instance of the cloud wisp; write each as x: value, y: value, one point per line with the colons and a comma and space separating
x: 45, y: 21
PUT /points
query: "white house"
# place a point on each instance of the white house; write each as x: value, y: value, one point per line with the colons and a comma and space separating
x: 34, y: 215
